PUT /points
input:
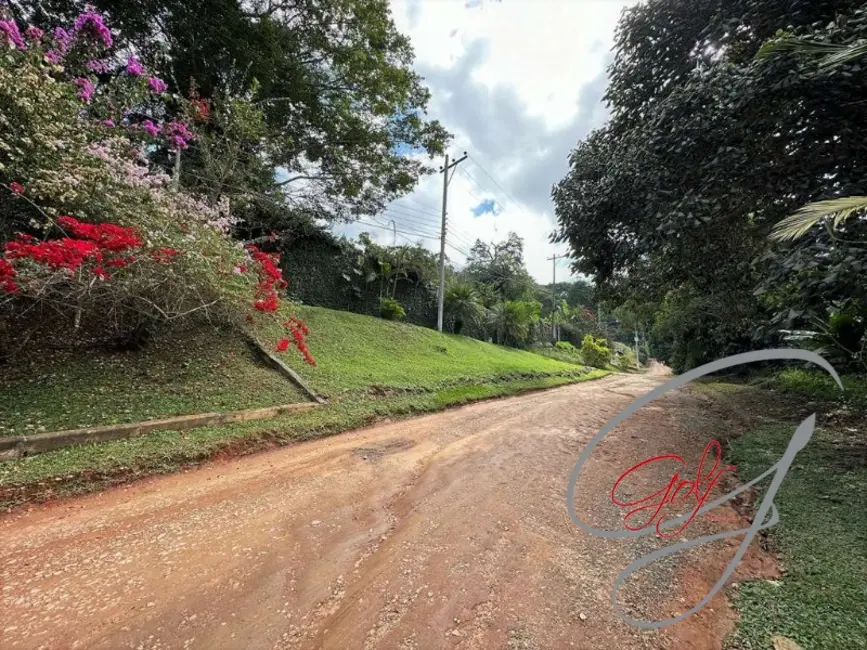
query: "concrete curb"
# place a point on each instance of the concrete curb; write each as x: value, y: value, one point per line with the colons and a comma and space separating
x: 281, y: 367
x: 19, y: 446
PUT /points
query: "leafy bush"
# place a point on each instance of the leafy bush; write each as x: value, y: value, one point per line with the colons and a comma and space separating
x: 595, y: 352
x: 77, y: 127
x: 820, y: 386
x: 391, y: 309
x: 565, y: 346
x: 624, y: 356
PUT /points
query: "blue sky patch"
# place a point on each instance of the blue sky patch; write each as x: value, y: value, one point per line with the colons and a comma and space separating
x: 488, y: 205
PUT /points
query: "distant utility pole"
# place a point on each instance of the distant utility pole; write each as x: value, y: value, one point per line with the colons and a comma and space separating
x: 442, y: 292
x: 553, y: 298
x: 637, y: 356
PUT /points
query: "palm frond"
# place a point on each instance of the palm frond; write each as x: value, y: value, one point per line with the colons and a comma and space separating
x: 798, y: 224
x: 833, y: 54
x: 798, y: 45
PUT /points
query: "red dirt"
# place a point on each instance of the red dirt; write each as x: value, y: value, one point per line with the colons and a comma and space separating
x: 446, y: 531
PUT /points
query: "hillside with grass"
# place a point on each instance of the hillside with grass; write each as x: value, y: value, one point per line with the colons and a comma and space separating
x: 368, y: 368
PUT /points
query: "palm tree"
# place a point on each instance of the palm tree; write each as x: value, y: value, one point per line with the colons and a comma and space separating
x: 833, y: 55
x: 462, y: 303
x: 512, y: 320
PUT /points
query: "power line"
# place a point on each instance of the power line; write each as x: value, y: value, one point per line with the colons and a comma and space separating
x: 494, y: 181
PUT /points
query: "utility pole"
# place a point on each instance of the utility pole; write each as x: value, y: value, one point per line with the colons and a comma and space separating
x: 637, y: 357
x: 553, y: 298
x: 442, y: 292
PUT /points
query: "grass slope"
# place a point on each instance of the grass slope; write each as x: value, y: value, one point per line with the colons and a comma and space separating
x: 355, y: 352
x: 369, y: 368
x: 179, y: 373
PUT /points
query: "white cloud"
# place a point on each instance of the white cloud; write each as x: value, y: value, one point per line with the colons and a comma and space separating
x: 518, y: 82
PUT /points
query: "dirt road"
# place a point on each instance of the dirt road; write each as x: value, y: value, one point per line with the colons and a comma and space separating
x: 446, y: 531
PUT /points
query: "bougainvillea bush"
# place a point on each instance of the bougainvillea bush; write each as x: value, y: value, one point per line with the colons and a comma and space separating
x: 91, y: 232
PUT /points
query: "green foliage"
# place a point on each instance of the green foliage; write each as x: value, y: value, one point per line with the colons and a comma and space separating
x: 334, y: 79
x: 565, y: 346
x: 501, y: 267
x: 706, y: 151
x: 512, y: 321
x: 595, y: 352
x: 816, y: 385
x: 623, y: 356
x: 800, y: 223
x: 462, y: 305
x: 391, y: 309
x: 821, y: 541
x: 69, y: 162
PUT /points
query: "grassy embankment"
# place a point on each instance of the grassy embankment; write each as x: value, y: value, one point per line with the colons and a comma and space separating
x: 820, y: 603
x: 368, y: 369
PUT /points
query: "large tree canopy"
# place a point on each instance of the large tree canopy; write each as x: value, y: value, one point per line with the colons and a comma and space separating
x: 341, y: 102
x: 706, y: 150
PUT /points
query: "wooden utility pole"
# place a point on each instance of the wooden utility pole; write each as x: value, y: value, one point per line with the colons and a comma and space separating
x: 554, y: 334
x: 442, y: 290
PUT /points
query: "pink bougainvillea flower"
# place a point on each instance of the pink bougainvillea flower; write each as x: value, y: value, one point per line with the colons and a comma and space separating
x: 85, y: 89
x: 108, y: 123
x: 150, y: 128
x: 97, y: 66
x: 10, y: 35
x: 63, y: 40
x: 34, y: 33
x: 53, y: 57
x: 16, y: 187
x: 134, y: 68
x: 92, y: 26
x: 157, y: 85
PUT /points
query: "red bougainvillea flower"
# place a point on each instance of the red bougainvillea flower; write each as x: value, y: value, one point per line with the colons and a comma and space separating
x: 201, y: 109
x: 7, y: 272
x: 283, y: 345
x: 164, y: 255
x: 16, y: 187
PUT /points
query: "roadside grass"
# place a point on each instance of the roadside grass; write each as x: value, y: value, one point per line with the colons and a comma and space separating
x: 821, y: 602
x: 354, y: 352
x: 180, y: 372
x: 820, y: 386
x: 369, y: 368
x: 86, y: 468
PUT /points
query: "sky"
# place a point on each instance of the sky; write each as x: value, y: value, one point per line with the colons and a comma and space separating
x: 518, y: 83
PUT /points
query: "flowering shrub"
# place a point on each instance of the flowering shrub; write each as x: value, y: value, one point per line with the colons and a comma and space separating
x: 136, y: 250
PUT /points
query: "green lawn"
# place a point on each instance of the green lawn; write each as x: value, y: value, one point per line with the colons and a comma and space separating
x: 179, y: 373
x: 821, y: 602
x: 354, y: 351
x: 369, y: 369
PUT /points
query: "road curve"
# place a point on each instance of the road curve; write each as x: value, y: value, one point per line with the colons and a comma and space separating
x: 444, y: 531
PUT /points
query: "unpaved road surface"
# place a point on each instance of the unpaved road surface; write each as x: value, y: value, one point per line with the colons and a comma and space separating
x: 445, y: 531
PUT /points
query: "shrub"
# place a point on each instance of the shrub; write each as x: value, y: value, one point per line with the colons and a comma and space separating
x: 624, y: 356
x: 565, y: 346
x: 76, y: 126
x: 595, y: 352
x: 391, y: 309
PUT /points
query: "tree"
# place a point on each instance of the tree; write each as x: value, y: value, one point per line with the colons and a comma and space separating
x: 706, y: 150
x: 462, y: 305
x: 333, y: 78
x: 501, y: 266
x: 513, y: 320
